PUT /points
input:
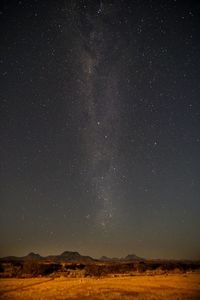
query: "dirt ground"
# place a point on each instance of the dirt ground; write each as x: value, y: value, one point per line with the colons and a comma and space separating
x: 170, y: 287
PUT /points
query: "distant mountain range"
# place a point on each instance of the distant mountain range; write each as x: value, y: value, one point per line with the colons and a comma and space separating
x: 130, y: 257
x: 69, y: 256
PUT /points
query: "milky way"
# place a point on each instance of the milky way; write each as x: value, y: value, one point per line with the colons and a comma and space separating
x: 100, y: 90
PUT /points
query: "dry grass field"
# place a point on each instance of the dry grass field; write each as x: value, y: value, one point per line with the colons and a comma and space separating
x: 143, y: 287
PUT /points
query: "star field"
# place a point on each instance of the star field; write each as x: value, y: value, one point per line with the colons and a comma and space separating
x: 100, y: 140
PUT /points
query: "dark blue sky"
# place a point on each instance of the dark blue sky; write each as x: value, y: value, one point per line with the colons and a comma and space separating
x: 99, y: 137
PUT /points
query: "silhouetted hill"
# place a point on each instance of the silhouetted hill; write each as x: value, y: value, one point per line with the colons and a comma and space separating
x: 70, y: 256
x: 105, y: 258
x: 32, y: 256
x: 130, y: 257
x: 66, y: 256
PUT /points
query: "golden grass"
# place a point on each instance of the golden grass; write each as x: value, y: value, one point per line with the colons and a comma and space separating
x: 171, y: 287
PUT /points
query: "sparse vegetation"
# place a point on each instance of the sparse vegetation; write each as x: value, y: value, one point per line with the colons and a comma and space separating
x: 34, y: 268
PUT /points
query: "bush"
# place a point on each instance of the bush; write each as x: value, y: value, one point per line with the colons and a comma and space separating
x: 94, y: 270
x: 141, y: 267
x: 34, y: 268
x: 1, y: 268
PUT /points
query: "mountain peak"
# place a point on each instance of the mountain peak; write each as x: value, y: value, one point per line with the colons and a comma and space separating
x: 132, y: 257
x: 69, y: 253
x: 33, y: 255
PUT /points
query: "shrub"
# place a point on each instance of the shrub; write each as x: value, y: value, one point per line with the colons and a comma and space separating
x: 141, y: 267
x: 34, y: 268
x: 95, y: 270
x: 1, y: 268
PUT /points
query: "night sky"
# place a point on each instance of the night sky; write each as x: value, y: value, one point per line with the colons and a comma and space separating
x: 100, y: 131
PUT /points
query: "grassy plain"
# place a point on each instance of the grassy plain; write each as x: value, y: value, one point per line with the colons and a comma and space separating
x: 141, y: 287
